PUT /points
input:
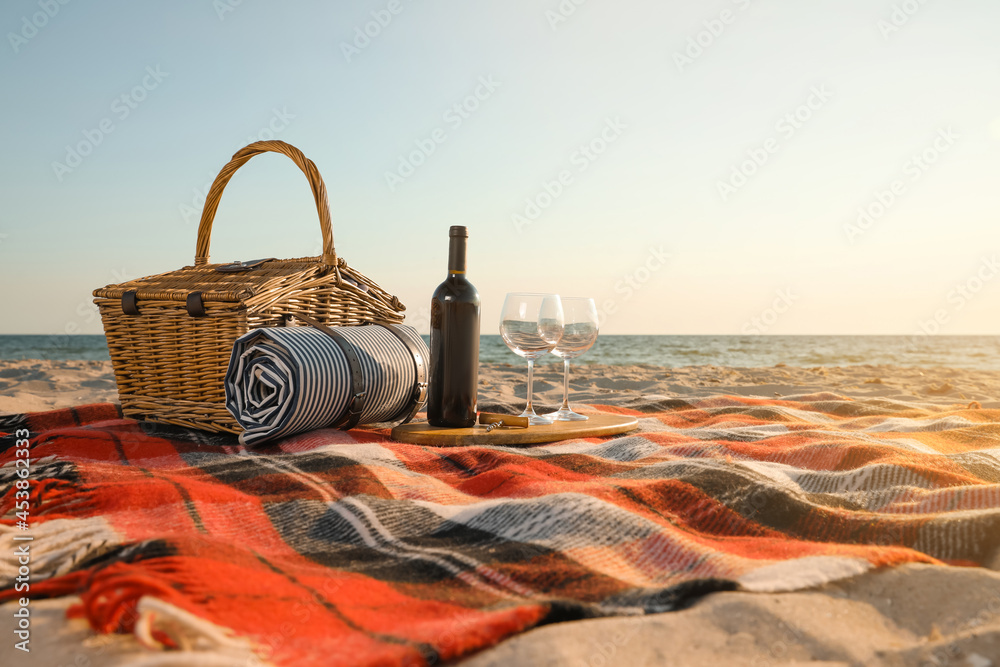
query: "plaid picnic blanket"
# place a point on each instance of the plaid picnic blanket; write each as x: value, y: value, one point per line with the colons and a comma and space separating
x: 347, y: 548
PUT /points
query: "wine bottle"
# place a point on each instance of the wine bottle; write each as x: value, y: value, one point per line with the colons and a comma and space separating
x: 451, y: 398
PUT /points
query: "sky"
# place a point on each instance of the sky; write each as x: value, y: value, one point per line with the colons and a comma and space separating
x: 709, y: 167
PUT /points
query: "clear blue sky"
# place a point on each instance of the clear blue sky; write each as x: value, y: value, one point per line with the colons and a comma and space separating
x: 670, y: 120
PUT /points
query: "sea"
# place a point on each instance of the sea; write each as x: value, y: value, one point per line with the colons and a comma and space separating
x: 981, y: 352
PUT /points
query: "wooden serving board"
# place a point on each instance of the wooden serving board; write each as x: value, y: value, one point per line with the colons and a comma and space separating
x: 598, y: 425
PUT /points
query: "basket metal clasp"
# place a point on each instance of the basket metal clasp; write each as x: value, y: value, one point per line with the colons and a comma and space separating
x: 237, y: 267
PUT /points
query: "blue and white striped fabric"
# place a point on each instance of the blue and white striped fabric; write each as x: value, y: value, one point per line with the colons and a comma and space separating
x: 288, y: 380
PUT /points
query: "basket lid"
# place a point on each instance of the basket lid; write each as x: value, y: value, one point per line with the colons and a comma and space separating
x: 232, y: 282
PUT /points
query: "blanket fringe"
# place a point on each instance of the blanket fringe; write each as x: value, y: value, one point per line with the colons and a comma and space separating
x: 121, y: 599
x: 801, y: 573
x: 159, y: 619
x: 56, y: 547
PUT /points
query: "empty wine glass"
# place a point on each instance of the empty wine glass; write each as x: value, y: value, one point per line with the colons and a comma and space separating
x: 579, y: 333
x: 531, y: 325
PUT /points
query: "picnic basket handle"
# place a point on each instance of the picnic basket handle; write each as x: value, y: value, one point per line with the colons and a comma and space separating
x: 329, y: 258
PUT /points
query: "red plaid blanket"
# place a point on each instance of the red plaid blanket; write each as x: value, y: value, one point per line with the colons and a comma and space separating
x: 337, y: 548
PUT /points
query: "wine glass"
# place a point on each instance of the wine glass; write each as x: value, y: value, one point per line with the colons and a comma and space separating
x: 579, y: 334
x: 531, y: 325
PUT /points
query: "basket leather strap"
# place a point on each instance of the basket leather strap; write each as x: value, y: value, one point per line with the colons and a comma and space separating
x: 419, y: 395
x: 195, y: 305
x: 356, y: 406
x: 130, y: 303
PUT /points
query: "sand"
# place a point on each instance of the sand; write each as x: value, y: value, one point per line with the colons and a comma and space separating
x: 909, y: 615
x: 35, y: 386
x: 621, y: 385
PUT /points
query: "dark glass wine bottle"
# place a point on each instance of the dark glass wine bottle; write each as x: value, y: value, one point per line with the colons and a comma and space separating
x: 451, y: 399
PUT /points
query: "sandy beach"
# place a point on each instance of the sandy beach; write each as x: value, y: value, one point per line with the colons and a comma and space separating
x: 909, y: 615
x: 34, y: 385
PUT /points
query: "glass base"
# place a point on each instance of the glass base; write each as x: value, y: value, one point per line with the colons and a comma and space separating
x: 536, y: 419
x: 567, y: 415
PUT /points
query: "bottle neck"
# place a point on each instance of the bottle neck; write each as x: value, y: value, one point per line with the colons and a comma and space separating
x: 456, y: 256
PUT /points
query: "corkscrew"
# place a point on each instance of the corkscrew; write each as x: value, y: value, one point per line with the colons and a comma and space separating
x: 492, y: 421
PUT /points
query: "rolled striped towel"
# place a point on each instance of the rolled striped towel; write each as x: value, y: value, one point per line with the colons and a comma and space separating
x: 288, y: 380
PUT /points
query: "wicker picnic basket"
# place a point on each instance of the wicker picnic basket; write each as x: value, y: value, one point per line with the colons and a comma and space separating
x: 171, y: 335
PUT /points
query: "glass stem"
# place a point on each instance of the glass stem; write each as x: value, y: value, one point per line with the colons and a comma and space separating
x: 565, y: 405
x: 531, y: 372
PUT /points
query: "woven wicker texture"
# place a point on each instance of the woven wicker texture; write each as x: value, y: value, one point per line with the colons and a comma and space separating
x: 170, y: 365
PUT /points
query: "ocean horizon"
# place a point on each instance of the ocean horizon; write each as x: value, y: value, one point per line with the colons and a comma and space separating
x: 669, y: 351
